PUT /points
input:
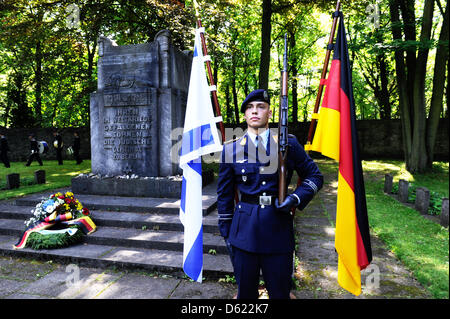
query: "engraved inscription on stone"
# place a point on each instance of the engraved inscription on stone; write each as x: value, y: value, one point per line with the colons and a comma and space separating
x: 127, y: 132
x: 126, y: 99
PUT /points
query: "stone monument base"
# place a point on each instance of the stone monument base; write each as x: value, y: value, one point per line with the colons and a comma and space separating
x: 133, y: 186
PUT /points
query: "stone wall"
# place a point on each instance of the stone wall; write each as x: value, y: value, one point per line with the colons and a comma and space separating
x: 19, y: 144
x: 381, y: 139
x: 378, y: 139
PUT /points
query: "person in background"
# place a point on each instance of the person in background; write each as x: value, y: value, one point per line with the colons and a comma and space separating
x: 58, y: 144
x: 34, y: 147
x: 4, y: 150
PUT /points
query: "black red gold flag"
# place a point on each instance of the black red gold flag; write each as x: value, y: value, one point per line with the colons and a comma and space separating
x: 336, y: 137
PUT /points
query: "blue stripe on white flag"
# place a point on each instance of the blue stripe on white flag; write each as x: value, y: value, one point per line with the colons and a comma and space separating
x: 196, y: 138
x: 193, y: 263
x: 191, y: 217
x: 195, y: 51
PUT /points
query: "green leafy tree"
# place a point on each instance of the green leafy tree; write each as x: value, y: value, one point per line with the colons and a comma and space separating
x: 411, y: 57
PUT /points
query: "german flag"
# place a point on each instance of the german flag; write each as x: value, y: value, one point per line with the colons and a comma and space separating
x: 33, y: 228
x: 336, y: 137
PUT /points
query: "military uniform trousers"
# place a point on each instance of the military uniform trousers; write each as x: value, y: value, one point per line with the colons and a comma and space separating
x: 276, y: 271
x: 254, y: 248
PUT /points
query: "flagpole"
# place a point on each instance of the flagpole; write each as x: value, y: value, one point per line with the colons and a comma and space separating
x: 322, y: 80
x: 211, y: 82
x: 210, y: 75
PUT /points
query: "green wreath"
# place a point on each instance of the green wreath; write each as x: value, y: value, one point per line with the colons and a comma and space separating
x: 50, y: 239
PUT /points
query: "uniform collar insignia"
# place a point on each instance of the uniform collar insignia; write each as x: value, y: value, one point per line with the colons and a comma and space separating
x: 275, y: 137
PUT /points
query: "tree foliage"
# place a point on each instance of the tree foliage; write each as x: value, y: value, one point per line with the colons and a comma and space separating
x: 398, y: 51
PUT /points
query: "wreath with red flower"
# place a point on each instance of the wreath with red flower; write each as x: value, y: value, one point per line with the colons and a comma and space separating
x: 58, y: 221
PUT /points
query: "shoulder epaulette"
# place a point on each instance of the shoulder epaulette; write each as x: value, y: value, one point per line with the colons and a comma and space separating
x: 231, y: 141
x: 275, y: 137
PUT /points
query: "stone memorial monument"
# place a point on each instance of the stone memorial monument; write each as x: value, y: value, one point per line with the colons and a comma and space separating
x: 140, y: 99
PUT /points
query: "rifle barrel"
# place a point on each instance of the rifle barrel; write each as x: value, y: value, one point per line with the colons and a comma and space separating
x: 283, y: 128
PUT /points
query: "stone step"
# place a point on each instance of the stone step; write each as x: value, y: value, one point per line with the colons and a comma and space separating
x: 151, y: 221
x: 126, y: 204
x: 107, y: 256
x: 130, y: 237
x: 122, y: 219
x: 133, y: 233
x: 15, y: 212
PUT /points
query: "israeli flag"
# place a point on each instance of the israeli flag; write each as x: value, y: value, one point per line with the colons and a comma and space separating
x: 200, y: 137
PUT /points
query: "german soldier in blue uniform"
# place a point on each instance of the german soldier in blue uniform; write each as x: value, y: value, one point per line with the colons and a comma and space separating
x: 259, y: 230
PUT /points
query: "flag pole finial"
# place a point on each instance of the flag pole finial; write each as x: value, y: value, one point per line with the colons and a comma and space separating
x: 196, y: 8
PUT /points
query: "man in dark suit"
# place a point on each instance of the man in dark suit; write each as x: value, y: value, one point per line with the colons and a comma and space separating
x: 259, y: 230
x: 34, y: 147
x: 4, y: 150
x: 58, y: 144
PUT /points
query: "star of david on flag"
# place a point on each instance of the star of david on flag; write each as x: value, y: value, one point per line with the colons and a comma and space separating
x: 200, y: 137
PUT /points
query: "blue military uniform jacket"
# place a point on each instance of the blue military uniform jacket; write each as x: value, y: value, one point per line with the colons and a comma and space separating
x: 261, y: 228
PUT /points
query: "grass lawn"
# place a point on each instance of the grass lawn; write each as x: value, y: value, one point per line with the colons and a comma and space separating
x: 56, y: 176
x: 422, y: 245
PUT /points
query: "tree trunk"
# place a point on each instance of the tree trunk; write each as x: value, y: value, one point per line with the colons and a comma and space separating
x: 385, y: 105
x: 402, y: 88
x: 438, y: 88
x: 229, y: 110
x: 234, y: 90
x: 266, y: 30
x: 409, y: 27
x: 418, y: 160
x: 38, y: 87
x: 447, y: 89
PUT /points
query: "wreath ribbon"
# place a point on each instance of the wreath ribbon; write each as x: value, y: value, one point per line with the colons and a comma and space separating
x: 85, y: 223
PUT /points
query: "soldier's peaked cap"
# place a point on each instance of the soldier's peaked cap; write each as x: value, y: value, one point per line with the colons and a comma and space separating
x: 257, y: 95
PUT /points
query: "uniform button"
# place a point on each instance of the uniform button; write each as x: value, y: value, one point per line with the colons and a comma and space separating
x: 262, y: 169
x: 264, y: 194
x: 239, y: 206
x: 262, y: 206
x: 243, y: 171
x: 264, y: 182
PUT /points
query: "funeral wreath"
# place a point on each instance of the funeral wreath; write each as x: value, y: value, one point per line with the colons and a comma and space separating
x: 58, y: 221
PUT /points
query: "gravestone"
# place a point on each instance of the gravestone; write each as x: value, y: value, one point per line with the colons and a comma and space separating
x: 12, y: 181
x: 140, y: 101
x: 422, y: 201
x: 39, y: 176
x: 388, y: 183
x: 444, y: 213
x: 403, y: 189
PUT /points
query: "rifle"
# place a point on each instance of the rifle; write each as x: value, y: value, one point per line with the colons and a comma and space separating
x: 283, y: 129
